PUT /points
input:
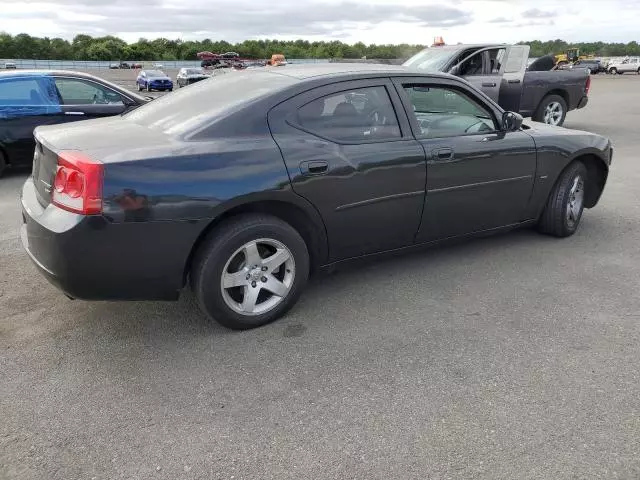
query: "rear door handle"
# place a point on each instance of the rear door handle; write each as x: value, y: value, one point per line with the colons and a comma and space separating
x: 489, y: 84
x: 314, y: 167
x: 443, y: 153
x: 514, y: 80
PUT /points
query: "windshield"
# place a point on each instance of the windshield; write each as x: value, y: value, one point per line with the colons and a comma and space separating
x: 431, y: 59
x: 190, y: 108
x: 155, y: 73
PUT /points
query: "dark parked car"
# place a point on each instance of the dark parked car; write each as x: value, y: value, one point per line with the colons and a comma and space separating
x: 280, y: 173
x: 501, y: 72
x: 153, y: 80
x: 593, y: 66
x: 32, y: 98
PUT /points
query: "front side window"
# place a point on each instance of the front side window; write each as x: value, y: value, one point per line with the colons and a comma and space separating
x: 81, y: 92
x: 359, y: 115
x: 446, y: 112
x: 472, y: 66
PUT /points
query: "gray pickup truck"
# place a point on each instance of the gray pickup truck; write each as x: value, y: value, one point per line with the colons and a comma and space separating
x: 501, y: 72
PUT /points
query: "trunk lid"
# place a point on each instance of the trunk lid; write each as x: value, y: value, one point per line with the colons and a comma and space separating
x: 107, y: 140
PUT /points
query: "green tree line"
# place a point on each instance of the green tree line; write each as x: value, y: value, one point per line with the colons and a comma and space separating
x: 85, y: 47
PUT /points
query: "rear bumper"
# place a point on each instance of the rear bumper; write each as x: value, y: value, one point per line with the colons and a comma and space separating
x: 583, y: 102
x: 90, y: 258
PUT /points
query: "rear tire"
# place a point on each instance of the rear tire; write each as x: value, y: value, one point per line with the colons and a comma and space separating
x: 239, y: 261
x: 552, y: 110
x: 563, y: 211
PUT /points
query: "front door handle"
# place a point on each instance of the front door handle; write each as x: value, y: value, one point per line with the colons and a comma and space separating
x: 489, y: 84
x: 74, y: 113
x: 314, y: 167
x: 514, y: 80
x: 443, y: 153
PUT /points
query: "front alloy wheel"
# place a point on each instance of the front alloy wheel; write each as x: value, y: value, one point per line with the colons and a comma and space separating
x: 564, y: 208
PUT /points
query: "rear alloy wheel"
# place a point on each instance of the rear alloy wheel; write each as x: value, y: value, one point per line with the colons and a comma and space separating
x: 552, y: 111
x: 250, y: 271
x: 562, y: 214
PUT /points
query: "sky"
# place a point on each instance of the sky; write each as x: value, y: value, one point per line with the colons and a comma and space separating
x: 369, y: 21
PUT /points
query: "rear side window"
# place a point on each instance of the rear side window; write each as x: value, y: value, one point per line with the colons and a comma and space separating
x: 27, y: 96
x: 80, y: 92
x: 360, y: 115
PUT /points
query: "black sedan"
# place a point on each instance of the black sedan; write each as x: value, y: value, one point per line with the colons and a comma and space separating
x: 241, y: 187
x: 32, y: 98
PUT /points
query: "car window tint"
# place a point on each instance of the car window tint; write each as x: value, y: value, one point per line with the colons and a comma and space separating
x: 444, y: 112
x: 27, y: 91
x: 472, y: 66
x: 80, y: 92
x: 364, y: 114
x: 27, y: 96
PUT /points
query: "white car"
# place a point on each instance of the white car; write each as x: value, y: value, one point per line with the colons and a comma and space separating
x: 626, y: 66
x: 10, y: 65
x: 158, y: 65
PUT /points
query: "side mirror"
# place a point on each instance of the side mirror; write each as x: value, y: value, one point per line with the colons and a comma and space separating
x: 455, y: 70
x: 511, y: 121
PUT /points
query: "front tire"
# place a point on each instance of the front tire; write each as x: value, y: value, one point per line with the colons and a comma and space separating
x: 552, y: 111
x: 563, y: 211
x: 613, y: 71
x: 250, y: 271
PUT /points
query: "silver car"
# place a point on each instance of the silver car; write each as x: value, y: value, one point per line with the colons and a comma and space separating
x: 187, y: 76
x: 626, y: 66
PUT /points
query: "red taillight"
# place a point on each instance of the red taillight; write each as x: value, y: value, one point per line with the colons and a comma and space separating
x: 77, y: 186
x: 588, y: 85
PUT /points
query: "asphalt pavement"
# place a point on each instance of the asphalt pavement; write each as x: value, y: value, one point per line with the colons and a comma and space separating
x: 510, y: 357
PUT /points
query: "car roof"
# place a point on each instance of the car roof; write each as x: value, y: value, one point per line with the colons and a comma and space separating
x: 315, y: 70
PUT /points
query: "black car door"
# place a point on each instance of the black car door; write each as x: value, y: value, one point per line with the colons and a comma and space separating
x: 26, y: 101
x: 83, y: 99
x: 353, y: 156
x: 478, y: 177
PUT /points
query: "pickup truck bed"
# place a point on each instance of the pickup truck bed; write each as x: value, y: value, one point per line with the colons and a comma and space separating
x: 501, y: 72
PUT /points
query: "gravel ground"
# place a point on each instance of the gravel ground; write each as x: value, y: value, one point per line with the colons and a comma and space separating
x: 515, y: 356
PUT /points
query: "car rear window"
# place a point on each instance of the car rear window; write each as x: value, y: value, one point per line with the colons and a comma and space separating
x: 188, y: 109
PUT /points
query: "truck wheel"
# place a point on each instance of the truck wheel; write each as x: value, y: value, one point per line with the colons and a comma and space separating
x: 250, y: 271
x: 563, y: 211
x: 552, y: 110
